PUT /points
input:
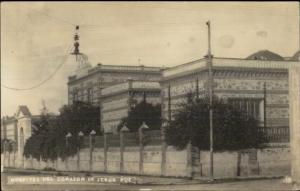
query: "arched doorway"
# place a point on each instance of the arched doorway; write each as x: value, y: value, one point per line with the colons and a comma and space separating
x: 21, y: 148
x: 22, y: 135
x: 21, y: 141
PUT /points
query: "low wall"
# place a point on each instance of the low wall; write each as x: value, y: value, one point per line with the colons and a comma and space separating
x: 265, y: 162
x: 274, y: 161
x: 98, y: 160
x: 152, y: 160
x: 131, y: 160
x: 262, y: 162
x: 176, y: 162
x: 113, y: 162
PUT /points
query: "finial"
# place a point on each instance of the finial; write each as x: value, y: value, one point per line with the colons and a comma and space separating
x: 144, y: 126
x: 76, y: 41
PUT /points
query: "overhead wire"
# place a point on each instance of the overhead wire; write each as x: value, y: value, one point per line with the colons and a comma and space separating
x: 54, y: 18
x: 85, y: 26
x: 46, y: 79
x: 109, y: 25
x: 56, y: 69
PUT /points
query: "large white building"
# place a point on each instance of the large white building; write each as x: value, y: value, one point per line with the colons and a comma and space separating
x: 258, y: 85
x: 87, y: 83
x: 117, y: 100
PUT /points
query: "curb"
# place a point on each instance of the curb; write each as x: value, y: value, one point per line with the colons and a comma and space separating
x: 161, y: 180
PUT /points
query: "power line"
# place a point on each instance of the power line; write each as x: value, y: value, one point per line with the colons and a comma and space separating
x: 45, y: 80
x: 95, y: 27
x: 139, y: 24
x: 90, y: 26
x: 52, y: 17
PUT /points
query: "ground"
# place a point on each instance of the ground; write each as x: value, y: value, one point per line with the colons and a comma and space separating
x: 150, y: 183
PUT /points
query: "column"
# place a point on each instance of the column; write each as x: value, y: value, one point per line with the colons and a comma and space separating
x: 92, y: 141
x: 141, y: 147
x: 163, y: 152
x: 189, y: 164
x: 105, y: 151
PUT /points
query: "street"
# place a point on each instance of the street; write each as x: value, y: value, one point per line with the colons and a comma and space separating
x: 154, y: 183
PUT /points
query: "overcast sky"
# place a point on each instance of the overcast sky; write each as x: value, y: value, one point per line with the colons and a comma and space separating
x: 35, y: 38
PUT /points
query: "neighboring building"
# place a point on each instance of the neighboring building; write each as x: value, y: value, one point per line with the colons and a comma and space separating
x: 12, y: 126
x: 9, y: 128
x: 265, y: 55
x: 88, y: 82
x: 258, y: 85
x: 117, y: 100
x: 296, y: 56
x: 18, y: 128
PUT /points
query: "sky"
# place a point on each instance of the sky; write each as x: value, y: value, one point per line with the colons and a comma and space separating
x: 37, y: 38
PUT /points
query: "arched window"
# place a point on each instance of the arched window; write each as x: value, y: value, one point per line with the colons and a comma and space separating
x: 21, y: 138
x: 21, y: 131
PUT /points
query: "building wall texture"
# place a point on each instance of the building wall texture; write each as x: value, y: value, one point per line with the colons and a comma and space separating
x: 117, y: 101
x: 102, y: 76
x: 233, y: 79
x: 295, y: 121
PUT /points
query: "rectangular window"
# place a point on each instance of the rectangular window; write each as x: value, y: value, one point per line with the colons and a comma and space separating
x: 252, y: 107
x: 90, y: 95
x: 81, y: 95
x: 75, y: 95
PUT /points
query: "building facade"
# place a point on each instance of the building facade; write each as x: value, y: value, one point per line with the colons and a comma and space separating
x: 9, y: 128
x: 17, y: 129
x: 258, y: 86
x: 86, y: 85
x: 294, y: 96
x: 117, y: 100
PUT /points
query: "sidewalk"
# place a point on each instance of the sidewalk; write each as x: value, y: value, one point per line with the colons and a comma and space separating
x: 144, y: 180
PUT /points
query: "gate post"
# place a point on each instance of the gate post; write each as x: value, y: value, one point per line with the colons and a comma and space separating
x: 69, y: 135
x: 122, y: 146
x: 189, y: 164
x: 40, y: 166
x: 80, y: 140
x: 14, y: 159
x: 8, y: 159
x: 105, y: 150
x: 92, y: 141
x: 141, y: 147
x: 239, y: 157
x: 163, y: 151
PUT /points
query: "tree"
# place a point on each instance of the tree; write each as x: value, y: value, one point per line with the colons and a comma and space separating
x: 233, y: 130
x: 80, y: 116
x: 37, y: 145
x: 48, y: 140
x: 6, y: 145
x: 143, y: 112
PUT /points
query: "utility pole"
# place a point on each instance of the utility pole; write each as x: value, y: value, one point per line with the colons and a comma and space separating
x: 169, y: 102
x: 265, y: 104
x: 210, y: 92
x: 197, y: 88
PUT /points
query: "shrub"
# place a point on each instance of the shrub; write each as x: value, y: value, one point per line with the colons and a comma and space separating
x: 232, y: 129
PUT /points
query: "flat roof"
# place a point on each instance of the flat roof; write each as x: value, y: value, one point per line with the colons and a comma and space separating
x: 117, y: 68
x: 228, y: 62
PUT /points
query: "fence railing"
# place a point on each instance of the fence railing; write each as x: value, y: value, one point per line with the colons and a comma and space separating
x: 276, y: 134
x: 131, y: 139
x: 153, y: 137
